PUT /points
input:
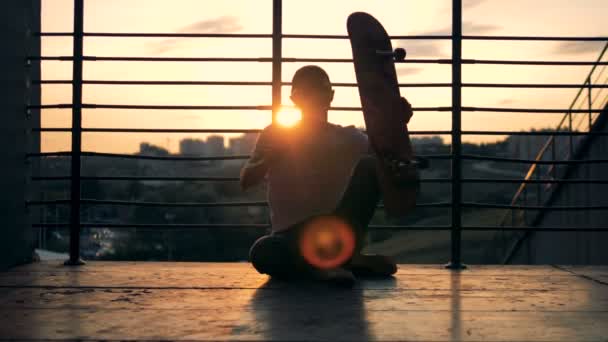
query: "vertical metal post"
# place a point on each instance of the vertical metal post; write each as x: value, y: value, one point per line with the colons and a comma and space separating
x: 277, y: 54
x: 456, y: 263
x: 76, y: 135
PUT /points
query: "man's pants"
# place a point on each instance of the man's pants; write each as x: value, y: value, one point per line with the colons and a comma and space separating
x: 277, y: 254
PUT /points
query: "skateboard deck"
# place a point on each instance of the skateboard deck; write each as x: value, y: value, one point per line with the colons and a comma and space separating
x: 383, y: 111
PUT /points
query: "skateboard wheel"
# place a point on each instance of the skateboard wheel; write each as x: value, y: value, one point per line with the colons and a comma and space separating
x: 399, y: 54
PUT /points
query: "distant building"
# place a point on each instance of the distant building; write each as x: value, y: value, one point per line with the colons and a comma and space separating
x: 242, y: 144
x: 427, y: 141
x: 147, y: 149
x: 192, y: 147
x: 215, y: 145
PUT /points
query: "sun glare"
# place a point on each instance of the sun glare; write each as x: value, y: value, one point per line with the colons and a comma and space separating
x: 288, y: 116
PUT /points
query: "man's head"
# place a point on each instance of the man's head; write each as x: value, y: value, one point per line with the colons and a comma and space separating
x: 311, y: 91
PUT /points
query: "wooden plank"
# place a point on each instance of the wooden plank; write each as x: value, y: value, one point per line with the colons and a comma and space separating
x: 319, y: 323
x: 202, y: 278
x: 215, y: 301
x: 404, y: 269
x: 302, y: 298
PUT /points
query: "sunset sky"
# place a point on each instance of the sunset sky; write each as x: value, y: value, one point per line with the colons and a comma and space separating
x: 400, y: 17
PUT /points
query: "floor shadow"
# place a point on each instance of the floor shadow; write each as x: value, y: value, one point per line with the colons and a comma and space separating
x: 312, y: 311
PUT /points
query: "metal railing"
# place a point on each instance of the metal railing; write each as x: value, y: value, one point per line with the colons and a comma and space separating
x: 456, y: 157
x: 555, y: 151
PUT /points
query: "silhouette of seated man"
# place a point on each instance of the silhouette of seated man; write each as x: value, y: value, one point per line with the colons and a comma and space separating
x: 315, y: 169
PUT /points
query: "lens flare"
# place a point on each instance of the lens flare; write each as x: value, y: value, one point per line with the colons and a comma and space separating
x: 288, y: 117
x: 327, y: 242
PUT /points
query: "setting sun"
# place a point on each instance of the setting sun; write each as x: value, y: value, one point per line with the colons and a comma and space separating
x: 288, y: 116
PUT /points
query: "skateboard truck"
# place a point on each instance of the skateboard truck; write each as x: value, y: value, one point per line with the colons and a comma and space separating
x: 398, y: 54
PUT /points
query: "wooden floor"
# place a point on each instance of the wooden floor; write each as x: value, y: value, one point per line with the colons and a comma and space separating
x: 213, y: 301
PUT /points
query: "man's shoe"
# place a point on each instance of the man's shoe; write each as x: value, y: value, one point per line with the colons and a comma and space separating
x: 335, y: 276
x: 363, y: 265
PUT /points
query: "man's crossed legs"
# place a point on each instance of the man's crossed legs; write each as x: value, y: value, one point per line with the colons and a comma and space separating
x: 277, y: 254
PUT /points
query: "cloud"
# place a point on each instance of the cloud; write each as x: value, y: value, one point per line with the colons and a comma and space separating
x: 433, y: 48
x: 418, y: 48
x: 468, y: 27
x: 408, y: 71
x: 578, y: 48
x: 468, y: 4
x: 223, y: 24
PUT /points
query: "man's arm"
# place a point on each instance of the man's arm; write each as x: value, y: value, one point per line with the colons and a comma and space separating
x: 265, y: 153
x: 254, y: 170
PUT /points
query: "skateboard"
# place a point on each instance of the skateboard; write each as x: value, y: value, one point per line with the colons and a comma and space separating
x: 384, y: 112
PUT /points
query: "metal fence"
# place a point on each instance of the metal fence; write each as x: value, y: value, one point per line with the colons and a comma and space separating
x: 567, y: 127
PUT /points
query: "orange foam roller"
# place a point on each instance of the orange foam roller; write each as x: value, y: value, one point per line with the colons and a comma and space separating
x: 327, y: 242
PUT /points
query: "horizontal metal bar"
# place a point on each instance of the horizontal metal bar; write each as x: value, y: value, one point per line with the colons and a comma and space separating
x: 220, y: 59
x: 523, y: 207
x: 179, y: 179
x: 546, y: 63
x: 538, y: 229
x: 152, y: 204
x: 214, y: 226
x: 152, y: 59
x: 529, y: 110
x: 147, y: 130
x: 313, y: 36
x: 184, y: 130
x: 418, y: 109
x: 180, y: 83
x: 176, y: 158
x: 536, y: 133
x: 305, y: 60
x: 153, y: 226
x: 236, y: 179
x: 335, y: 84
x: 156, y: 35
x: 188, y: 204
x: 396, y: 37
x: 536, y: 181
x: 137, y: 178
x: 534, y: 161
x: 529, y: 85
x: 150, y: 107
x: 535, y: 38
x: 226, y: 83
x: 191, y: 107
x: 136, y: 156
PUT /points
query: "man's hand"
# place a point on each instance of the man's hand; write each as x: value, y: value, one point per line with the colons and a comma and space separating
x: 407, y: 109
x: 403, y: 172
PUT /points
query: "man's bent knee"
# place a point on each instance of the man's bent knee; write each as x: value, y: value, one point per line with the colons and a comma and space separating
x: 270, y: 255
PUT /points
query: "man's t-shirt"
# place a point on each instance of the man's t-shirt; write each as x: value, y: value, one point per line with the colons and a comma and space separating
x: 313, y: 173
